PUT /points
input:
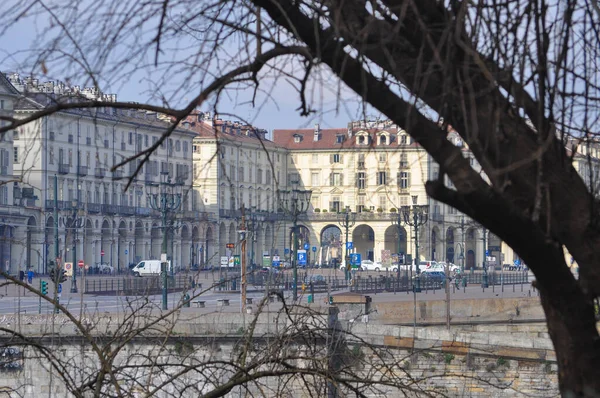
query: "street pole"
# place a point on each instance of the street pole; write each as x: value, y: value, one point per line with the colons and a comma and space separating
x: 484, y: 263
x: 164, y: 262
x: 447, y: 295
x: 347, y: 221
x: 243, y: 266
x: 294, y: 203
x: 74, y: 266
x: 294, y: 258
x: 55, y: 218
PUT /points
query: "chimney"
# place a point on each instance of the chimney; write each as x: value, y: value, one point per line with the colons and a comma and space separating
x: 317, y: 132
x: 350, y: 130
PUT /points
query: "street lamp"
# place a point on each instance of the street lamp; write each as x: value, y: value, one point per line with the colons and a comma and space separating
x: 397, y: 220
x: 347, y: 220
x: 251, y: 226
x: 485, y: 254
x: 415, y: 216
x: 73, y: 223
x: 294, y: 203
x: 164, y: 197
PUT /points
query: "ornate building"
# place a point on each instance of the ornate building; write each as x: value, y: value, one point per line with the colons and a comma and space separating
x: 65, y: 163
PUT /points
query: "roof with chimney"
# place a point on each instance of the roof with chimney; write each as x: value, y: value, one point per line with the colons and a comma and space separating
x: 208, y: 127
x: 358, y: 135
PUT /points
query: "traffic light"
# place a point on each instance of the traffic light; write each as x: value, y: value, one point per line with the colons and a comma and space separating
x: 44, y: 287
x: 53, y: 274
x: 62, y: 273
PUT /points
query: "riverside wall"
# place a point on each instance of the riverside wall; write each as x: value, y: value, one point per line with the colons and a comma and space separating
x: 507, y: 359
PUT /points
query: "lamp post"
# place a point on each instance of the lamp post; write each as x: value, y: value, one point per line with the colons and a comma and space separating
x: 73, y: 223
x: 251, y: 226
x: 164, y: 197
x: 347, y: 220
x: 416, y: 216
x: 484, y: 281
x: 397, y: 220
x: 294, y: 203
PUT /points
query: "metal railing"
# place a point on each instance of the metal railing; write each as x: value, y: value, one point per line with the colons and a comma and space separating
x: 131, y: 285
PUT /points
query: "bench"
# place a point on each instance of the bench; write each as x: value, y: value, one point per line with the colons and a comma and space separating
x: 199, y: 303
x: 223, y: 302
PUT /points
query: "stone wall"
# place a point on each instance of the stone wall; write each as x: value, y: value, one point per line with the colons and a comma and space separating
x: 468, y: 361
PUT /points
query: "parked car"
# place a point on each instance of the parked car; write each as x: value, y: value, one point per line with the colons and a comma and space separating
x: 453, y: 267
x: 434, y: 276
x: 368, y: 265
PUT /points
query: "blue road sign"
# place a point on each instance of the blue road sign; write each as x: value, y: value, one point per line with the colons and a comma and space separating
x: 349, y: 245
x: 355, y: 259
x: 306, y: 246
x: 517, y: 262
x: 487, y: 253
x: 126, y: 251
x: 286, y: 251
x: 314, y: 248
x: 301, y: 257
x: 276, y: 263
x: 59, y: 289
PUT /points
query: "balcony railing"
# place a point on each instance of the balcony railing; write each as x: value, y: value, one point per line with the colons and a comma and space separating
x: 109, y: 209
x: 94, y: 207
x: 181, y: 178
x: 196, y: 215
x: 82, y: 171
x: 436, y: 217
x: 127, y: 210
x: 143, y: 211
x: 64, y: 168
x: 117, y: 174
x: 100, y: 172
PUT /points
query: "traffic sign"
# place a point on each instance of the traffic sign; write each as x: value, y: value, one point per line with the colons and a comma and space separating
x: 236, y: 259
x: 126, y: 251
x: 301, y: 257
x: 306, y: 246
x: 517, y: 262
x: 69, y: 269
x: 314, y: 249
x: 59, y: 288
x: 349, y: 245
x: 80, y: 263
x: 487, y: 253
x: 355, y: 259
x: 102, y: 252
x: 286, y: 251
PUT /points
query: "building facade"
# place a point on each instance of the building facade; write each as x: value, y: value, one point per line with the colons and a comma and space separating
x: 63, y: 196
x: 86, y: 208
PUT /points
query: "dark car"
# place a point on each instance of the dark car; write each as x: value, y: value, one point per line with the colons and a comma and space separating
x: 436, y: 277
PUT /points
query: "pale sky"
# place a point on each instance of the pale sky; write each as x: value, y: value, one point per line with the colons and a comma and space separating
x: 280, y: 112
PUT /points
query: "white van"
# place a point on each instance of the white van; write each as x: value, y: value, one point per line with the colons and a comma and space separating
x: 148, y: 267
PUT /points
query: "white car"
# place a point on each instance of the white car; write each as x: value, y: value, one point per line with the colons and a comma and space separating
x: 440, y: 267
x: 368, y: 265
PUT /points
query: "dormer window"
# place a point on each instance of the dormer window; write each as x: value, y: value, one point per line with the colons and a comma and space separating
x: 339, y: 138
x: 362, y: 139
x: 403, y: 139
x: 297, y: 138
x: 383, y: 139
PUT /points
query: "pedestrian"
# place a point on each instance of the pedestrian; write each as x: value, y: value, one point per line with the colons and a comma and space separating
x: 30, y: 275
